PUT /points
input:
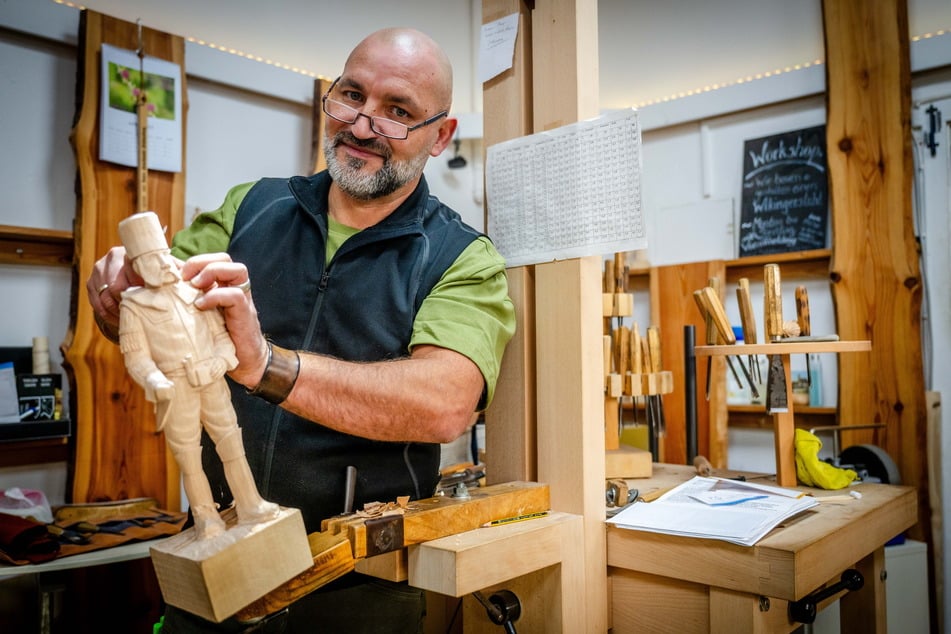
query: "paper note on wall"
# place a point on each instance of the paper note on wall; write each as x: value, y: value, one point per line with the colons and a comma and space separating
x: 569, y: 192
x: 497, y: 46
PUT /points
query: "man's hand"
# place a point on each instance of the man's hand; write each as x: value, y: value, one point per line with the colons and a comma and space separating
x: 111, y: 275
x: 219, y: 278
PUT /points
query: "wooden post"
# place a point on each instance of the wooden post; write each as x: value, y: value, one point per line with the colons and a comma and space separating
x: 564, y: 89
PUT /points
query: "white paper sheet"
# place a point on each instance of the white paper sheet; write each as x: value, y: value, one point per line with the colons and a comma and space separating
x: 497, y: 46
x: 569, y: 192
x: 686, y: 510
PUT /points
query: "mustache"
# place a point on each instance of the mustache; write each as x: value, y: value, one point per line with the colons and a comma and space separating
x: 374, y: 145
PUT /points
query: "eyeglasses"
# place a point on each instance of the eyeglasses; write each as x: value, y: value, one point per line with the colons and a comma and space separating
x: 384, y: 127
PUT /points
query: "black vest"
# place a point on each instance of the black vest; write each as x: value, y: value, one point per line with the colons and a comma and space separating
x: 360, y: 307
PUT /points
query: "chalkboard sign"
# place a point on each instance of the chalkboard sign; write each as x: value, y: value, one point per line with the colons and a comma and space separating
x: 785, y: 193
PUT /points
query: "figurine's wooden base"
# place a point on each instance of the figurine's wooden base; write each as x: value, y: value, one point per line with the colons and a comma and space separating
x: 214, y: 578
x: 627, y: 462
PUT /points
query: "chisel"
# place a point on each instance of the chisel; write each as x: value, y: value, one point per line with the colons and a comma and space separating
x: 711, y: 301
x: 805, y: 328
x: 637, y: 362
x: 748, y: 321
x: 776, y: 398
x: 710, y: 336
x: 653, y: 348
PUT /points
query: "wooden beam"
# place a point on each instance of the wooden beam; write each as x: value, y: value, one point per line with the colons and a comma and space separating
x: 571, y: 411
x: 510, y: 420
x: 559, y: 88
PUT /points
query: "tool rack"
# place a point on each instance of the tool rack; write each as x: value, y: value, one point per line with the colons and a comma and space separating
x: 631, y: 370
x: 783, y: 425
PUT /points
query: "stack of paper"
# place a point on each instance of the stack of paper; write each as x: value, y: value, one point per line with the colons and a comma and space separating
x: 716, y: 508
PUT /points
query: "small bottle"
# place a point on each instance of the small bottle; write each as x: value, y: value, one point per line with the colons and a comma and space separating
x: 815, y: 381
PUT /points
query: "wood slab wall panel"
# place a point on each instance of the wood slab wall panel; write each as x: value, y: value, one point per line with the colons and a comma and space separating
x: 116, y: 454
x: 510, y: 421
x: 317, y: 160
x: 877, y: 286
x: 672, y: 287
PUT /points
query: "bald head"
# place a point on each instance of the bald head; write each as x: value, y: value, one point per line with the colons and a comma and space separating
x: 412, y: 51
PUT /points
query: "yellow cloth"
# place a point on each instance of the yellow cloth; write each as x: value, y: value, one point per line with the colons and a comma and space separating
x: 814, y: 472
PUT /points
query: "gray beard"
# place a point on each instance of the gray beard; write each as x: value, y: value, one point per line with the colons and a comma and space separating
x: 386, y: 180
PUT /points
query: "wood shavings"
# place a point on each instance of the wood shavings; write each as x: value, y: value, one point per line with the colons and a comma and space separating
x: 376, y: 509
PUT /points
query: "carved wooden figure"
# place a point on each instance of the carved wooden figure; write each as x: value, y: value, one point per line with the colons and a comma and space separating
x: 180, y: 355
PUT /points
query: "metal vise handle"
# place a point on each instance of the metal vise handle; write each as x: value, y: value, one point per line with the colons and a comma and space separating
x: 804, y: 610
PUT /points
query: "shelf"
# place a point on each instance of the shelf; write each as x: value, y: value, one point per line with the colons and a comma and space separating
x: 29, y: 452
x: 25, y: 245
x: 755, y: 417
x: 799, y: 347
x: 815, y: 264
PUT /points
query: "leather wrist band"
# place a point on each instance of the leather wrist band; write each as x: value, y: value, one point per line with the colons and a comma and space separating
x: 279, y: 376
x: 108, y: 331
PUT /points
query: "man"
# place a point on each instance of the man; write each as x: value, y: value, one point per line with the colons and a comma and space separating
x: 385, y: 316
x: 180, y: 354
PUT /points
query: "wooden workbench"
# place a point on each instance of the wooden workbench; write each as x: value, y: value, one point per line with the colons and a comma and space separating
x: 664, y: 583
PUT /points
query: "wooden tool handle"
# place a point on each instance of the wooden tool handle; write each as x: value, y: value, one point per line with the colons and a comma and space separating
x: 624, y: 345
x: 747, y: 318
x: 620, y: 283
x: 653, y: 348
x: 702, y: 466
x: 637, y: 356
x: 714, y: 306
x: 772, y: 302
x: 609, y: 280
x: 711, y: 332
x: 606, y: 347
x: 802, y: 311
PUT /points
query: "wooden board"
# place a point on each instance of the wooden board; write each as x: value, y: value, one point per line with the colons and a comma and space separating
x: 673, y: 286
x: 627, y: 462
x: 510, y: 421
x: 870, y: 166
x: 117, y: 453
x: 456, y: 565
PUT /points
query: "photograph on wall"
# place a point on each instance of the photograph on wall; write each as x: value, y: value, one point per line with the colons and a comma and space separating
x: 785, y: 198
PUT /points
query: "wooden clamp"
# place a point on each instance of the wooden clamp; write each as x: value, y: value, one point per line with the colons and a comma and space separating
x: 346, y: 540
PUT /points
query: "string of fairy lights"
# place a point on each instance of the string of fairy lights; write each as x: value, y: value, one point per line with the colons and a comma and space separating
x: 649, y: 102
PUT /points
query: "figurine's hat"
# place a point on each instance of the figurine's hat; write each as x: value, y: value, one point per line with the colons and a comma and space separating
x: 142, y: 233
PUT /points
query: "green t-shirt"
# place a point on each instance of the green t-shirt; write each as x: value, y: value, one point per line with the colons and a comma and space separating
x: 468, y: 310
